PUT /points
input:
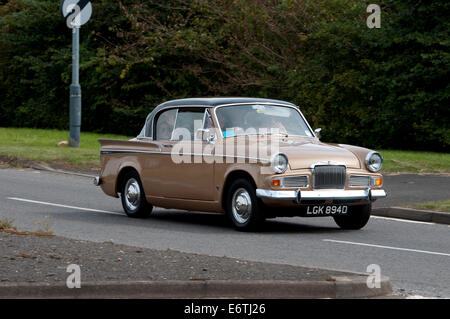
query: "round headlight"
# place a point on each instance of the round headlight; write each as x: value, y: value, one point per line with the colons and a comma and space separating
x: 279, y: 163
x: 374, y: 161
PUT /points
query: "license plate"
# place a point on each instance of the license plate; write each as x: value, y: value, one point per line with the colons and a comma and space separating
x: 328, y: 210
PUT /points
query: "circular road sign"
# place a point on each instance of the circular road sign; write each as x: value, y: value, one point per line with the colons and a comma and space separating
x: 76, y: 12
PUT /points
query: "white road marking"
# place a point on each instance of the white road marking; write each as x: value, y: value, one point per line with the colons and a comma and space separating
x: 387, y: 247
x: 403, y: 220
x: 65, y: 206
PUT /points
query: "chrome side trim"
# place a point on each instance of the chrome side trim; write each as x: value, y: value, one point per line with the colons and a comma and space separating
x: 109, y: 152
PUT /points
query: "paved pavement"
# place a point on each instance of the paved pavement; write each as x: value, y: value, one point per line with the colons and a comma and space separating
x: 44, y: 259
x: 416, y: 256
x: 38, y: 266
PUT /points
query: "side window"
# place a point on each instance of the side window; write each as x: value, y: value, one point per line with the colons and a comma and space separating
x: 187, y: 122
x: 147, y: 129
x: 164, y: 124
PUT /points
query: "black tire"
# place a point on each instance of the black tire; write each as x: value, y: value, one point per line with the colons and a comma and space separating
x: 134, y: 206
x: 356, y: 218
x: 243, y: 194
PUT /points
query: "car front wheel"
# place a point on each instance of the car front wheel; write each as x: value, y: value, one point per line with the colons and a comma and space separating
x: 243, y: 207
x: 133, y: 197
x: 356, y: 218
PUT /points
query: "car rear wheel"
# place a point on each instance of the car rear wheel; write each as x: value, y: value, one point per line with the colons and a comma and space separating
x: 243, y: 207
x: 356, y: 218
x: 133, y: 198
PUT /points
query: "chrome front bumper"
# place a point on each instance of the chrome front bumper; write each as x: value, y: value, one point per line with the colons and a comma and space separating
x: 322, y: 194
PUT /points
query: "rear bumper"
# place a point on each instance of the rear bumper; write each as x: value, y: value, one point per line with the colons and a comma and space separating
x: 322, y: 194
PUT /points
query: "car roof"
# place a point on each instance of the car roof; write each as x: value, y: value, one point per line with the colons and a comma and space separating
x: 204, y: 102
x: 216, y: 101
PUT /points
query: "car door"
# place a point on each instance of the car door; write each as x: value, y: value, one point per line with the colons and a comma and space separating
x: 181, y: 172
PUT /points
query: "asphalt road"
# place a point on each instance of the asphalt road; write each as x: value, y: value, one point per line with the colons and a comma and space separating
x: 407, y: 189
x: 415, y: 255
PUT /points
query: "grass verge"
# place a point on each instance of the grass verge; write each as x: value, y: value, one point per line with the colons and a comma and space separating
x: 415, y: 162
x: 41, y: 146
x: 7, y: 226
x: 441, y: 206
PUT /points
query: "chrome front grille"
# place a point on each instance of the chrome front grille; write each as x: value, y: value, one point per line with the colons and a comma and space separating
x: 295, y: 181
x: 329, y: 177
x: 359, y: 181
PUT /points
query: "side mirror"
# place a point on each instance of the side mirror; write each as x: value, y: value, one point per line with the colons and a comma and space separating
x: 318, y: 132
x: 205, y: 135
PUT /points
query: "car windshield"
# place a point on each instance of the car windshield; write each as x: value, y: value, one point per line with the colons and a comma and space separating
x: 261, y: 119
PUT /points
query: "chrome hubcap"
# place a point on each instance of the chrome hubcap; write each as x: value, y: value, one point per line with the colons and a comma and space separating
x: 241, y: 205
x: 132, y: 194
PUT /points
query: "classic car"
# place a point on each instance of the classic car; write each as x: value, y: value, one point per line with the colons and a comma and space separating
x: 249, y: 158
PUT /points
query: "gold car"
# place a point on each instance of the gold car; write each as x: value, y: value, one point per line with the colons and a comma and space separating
x: 250, y: 158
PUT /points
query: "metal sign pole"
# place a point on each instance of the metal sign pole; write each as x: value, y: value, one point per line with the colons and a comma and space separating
x: 75, y: 91
x: 76, y: 13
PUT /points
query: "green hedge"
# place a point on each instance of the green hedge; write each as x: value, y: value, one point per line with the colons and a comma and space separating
x: 380, y: 88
